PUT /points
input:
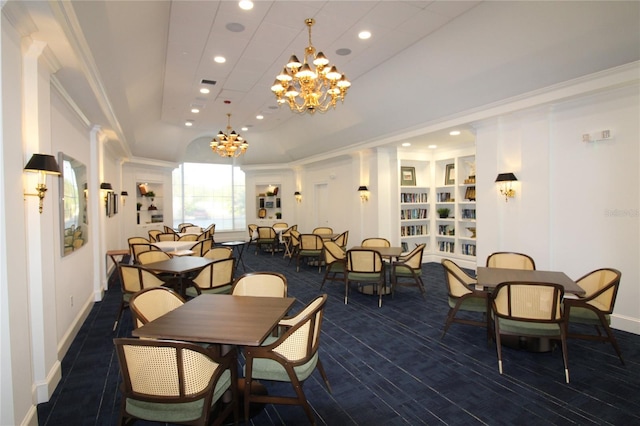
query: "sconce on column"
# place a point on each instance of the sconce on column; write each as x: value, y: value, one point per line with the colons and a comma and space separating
x: 298, y: 196
x: 45, y: 165
x: 504, y: 184
x: 364, y: 193
x: 124, y: 195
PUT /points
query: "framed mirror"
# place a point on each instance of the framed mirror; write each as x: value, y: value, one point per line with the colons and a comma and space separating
x: 74, y: 230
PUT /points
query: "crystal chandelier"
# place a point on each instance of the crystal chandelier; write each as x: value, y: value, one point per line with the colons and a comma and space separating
x: 308, y: 90
x: 229, y: 145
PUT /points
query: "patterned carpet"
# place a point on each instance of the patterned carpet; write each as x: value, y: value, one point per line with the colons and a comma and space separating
x: 387, y: 366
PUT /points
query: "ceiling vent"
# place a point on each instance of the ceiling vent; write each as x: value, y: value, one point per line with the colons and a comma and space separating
x: 211, y: 82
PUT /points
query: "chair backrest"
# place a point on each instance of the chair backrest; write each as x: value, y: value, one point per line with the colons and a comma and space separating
x: 375, y: 242
x: 192, y: 229
x: 266, y: 233
x: 458, y: 281
x: 414, y: 259
x: 311, y: 242
x: 135, y: 278
x: 261, y: 284
x: 204, y: 235
x: 333, y: 252
x: 364, y: 260
x: 152, y: 235
x: 295, y: 238
x: 216, y: 274
x: 184, y: 225
x: 152, y: 303
x: 299, y: 343
x: 188, y: 237
x: 169, y: 230
x: 322, y: 230
x: 162, y: 371
x: 342, y: 239
x: 152, y: 256
x: 281, y: 225
x: 216, y: 253
x: 525, y: 301
x: 201, y: 247
x: 601, y: 288
x: 167, y: 236
x: 210, y: 230
x: 510, y: 260
x: 134, y: 240
x: 252, y: 228
x: 136, y: 249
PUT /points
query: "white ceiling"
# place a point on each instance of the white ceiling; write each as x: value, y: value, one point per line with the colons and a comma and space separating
x: 135, y: 67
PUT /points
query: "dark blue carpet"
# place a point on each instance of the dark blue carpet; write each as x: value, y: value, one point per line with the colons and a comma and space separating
x: 387, y: 366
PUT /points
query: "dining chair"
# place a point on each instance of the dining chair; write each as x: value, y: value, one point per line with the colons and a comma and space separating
x: 261, y: 284
x: 462, y: 296
x: 596, y: 306
x: 281, y: 225
x: 176, y: 382
x: 267, y: 236
x: 201, y: 247
x: 510, y: 260
x: 375, y: 242
x: 138, y: 248
x: 342, y: 239
x: 188, y: 237
x: 167, y: 236
x: 219, y: 252
x: 335, y: 261
x: 309, y: 246
x: 285, y: 237
x: 210, y: 230
x: 252, y: 229
x: 322, y: 230
x: 291, y: 357
x: 184, y: 225
x: 203, y: 236
x: 134, y: 240
x: 152, y: 235
x: 151, y: 303
x: 134, y: 278
x: 151, y: 256
x: 532, y: 310
x: 365, y: 266
x: 215, y: 278
x: 407, y: 271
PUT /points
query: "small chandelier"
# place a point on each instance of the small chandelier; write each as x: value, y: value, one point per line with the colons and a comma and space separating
x: 308, y: 90
x: 229, y: 145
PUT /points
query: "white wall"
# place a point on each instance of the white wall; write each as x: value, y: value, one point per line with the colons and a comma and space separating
x: 576, y: 207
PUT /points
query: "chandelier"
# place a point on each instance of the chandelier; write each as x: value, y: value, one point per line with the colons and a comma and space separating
x: 229, y: 145
x: 308, y: 90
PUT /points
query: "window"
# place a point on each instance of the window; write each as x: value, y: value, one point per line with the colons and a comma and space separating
x: 209, y: 193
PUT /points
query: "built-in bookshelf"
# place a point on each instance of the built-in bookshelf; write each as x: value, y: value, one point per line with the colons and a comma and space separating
x: 149, y: 204
x: 415, y: 202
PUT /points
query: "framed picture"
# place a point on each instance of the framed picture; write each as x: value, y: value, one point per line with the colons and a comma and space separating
x: 407, y: 176
x: 269, y: 204
x: 450, y: 175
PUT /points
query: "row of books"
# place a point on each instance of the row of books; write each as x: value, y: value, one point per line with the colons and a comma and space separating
x: 468, y: 249
x: 468, y: 213
x: 414, y: 230
x: 446, y: 230
x: 414, y: 214
x: 420, y: 197
x: 444, y: 197
x: 446, y: 246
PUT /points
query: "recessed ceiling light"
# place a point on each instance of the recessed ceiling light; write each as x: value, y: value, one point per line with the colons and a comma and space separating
x: 432, y: 146
x: 234, y: 27
x: 204, y: 90
x: 406, y: 144
x: 220, y: 59
x: 364, y: 35
x: 244, y: 129
x: 259, y: 117
x: 245, y: 4
x: 454, y: 132
x: 188, y: 123
x: 195, y: 110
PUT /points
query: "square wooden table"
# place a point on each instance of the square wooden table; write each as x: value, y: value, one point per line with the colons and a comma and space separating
x: 489, y: 278
x: 220, y: 318
x: 179, y: 266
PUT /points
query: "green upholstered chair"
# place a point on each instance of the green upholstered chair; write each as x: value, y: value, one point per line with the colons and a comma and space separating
x: 134, y: 278
x: 267, y: 236
x: 375, y: 242
x: 291, y: 357
x: 309, y: 246
x: 201, y: 247
x: 175, y: 382
x: 260, y: 284
x: 462, y: 296
x: 596, y: 306
x: 365, y: 266
x: 215, y: 278
x: 510, y: 260
x: 407, y: 270
x: 341, y: 240
x: 526, y: 309
x: 335, y: 261
x: 151, y: 303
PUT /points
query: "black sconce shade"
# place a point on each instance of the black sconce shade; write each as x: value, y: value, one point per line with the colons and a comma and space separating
x: 106, y: 185
x: 42, y: 163
x: 506, y: 177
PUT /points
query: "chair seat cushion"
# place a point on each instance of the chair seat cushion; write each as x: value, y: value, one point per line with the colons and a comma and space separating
x: 336, y: 267
x: 268, y: 369
x: 405, y: 271
x: 223, y: 289
x: 310, y: 252
x: 176, y: 412
x: 473, y: 304
x: 586, y: 316
x: 364, y: 276
x: 522, y: 328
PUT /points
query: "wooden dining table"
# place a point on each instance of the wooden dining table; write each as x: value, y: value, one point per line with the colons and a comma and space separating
x: 489, y: 278
x: 180, y: 266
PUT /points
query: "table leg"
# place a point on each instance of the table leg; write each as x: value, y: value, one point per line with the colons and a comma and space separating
x: 240, y: 251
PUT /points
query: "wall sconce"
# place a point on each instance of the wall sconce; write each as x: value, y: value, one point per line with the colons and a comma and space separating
x: 107, y: 187
x: 298, y: 196
x: 364, y: 193
x: 45, y: 165
x: 506, y: 180
x: 124, y: 195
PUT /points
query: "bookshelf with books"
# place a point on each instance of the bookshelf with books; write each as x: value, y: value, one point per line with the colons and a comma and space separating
x: 414, y: 204
x: 466, y: 205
